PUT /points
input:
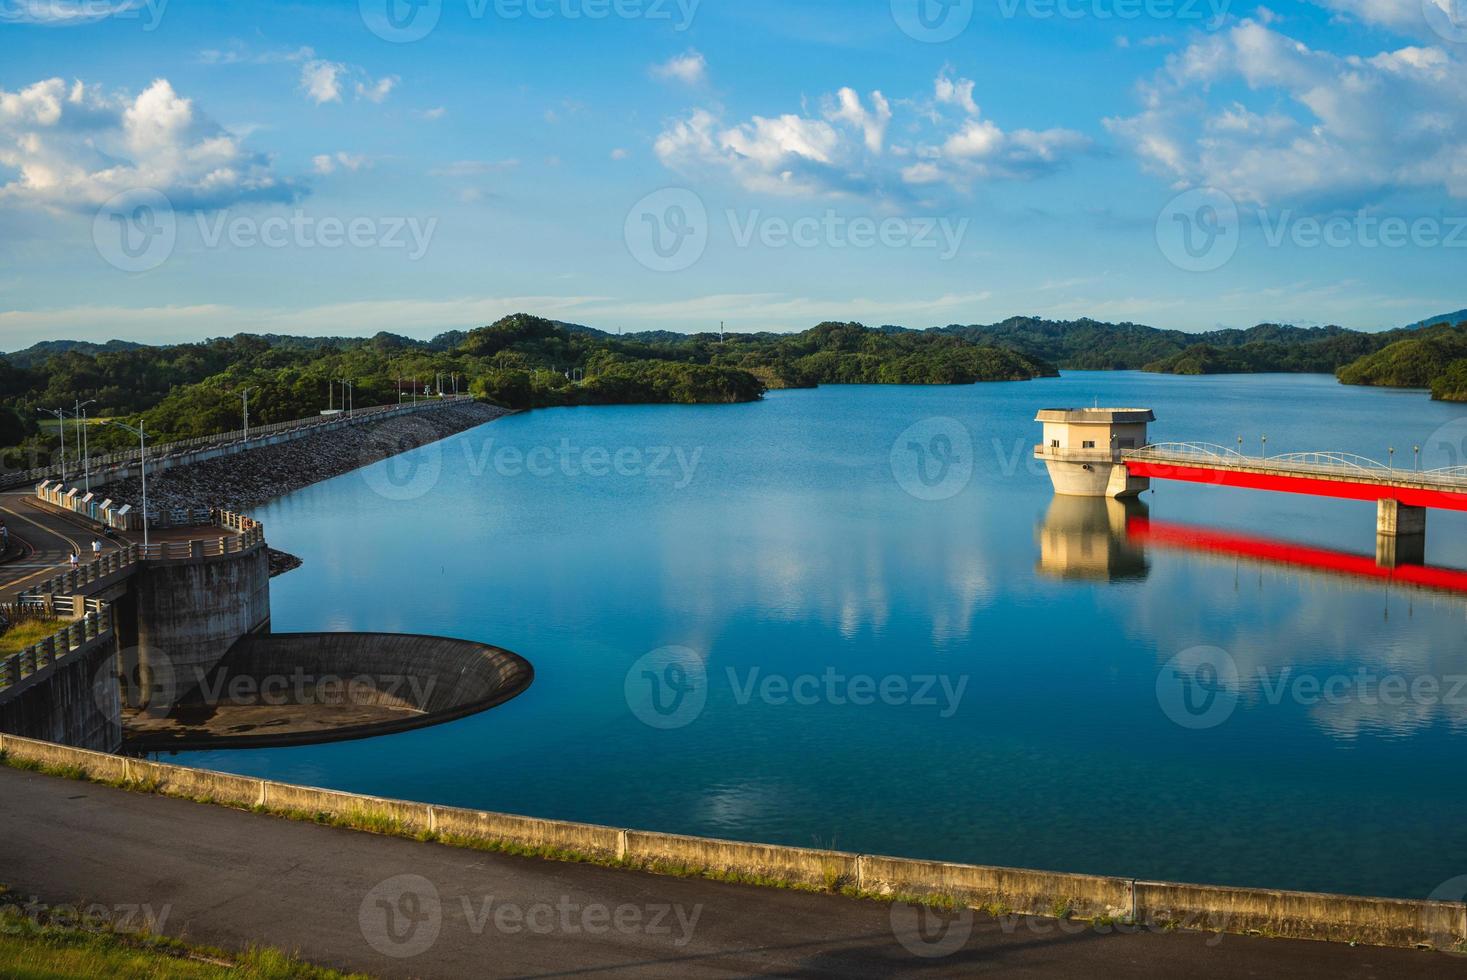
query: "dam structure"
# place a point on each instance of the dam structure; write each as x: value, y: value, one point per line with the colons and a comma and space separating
x: 147, y: 634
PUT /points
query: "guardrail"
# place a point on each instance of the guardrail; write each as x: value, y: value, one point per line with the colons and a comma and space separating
x: 19, y: 478
x: 249, y: 534
x: 96, y: 623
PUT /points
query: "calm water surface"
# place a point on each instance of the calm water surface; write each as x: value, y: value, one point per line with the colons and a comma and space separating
x: 793, y: 551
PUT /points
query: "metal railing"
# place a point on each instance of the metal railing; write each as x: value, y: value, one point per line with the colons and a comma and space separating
x: 1341, y: 465
x: 18, y: 478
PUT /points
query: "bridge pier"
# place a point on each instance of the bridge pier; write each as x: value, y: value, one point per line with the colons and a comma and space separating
x: 1400, y: 534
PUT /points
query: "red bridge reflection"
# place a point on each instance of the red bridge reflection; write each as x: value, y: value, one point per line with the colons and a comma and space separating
x: 1148, y: 533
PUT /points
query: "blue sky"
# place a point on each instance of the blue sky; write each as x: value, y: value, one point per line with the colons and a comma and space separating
x: 175, y: 170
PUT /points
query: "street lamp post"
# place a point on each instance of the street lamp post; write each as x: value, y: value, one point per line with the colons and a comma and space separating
x: 81, y: 428
x: 246, y: 396
x: 142, y: 468
x: 348, y: 389
x: 60, y: 414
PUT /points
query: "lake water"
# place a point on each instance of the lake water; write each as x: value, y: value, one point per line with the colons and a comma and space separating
x: 987, y: 677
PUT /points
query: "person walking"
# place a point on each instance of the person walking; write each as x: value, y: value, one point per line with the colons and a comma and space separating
x: 75, y: 559
x: 96, y: 548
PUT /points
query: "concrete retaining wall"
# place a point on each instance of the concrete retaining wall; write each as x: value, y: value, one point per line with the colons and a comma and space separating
x: 1018, y: 890
x: 1381, y: 921
x: 1304, y: 915
x: 74, y: 701
x: 804, y: 866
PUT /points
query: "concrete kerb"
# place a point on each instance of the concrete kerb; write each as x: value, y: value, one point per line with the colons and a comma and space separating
x: 1297, y: 915
x: 830, y: 870
x: 1011, y: 889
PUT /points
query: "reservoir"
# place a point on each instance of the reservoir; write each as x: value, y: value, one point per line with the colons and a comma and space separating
x: 858, y: 618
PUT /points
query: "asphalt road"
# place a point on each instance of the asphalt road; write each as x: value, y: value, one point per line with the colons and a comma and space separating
x: 400, y: 908
x: 47, y: 539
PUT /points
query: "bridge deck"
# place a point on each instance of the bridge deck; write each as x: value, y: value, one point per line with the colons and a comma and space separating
x: 1318, y: 474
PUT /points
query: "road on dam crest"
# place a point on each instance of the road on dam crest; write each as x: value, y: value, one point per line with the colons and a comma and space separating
x: 400, y: 908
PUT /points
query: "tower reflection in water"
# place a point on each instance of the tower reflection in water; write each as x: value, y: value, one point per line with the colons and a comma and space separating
x: 1085, y: 538
x: 1098, y: 539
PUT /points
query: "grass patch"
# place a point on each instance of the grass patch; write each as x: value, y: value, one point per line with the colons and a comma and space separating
x: 27, y: 633
x: 32, y: 949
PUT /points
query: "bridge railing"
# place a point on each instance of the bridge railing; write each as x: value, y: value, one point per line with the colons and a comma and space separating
x: 1341, y: 465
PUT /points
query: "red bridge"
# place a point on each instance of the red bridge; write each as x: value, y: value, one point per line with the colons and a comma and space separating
x: 1403, y: 496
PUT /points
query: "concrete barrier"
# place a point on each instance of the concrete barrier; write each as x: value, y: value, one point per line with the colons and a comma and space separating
x: 1303, y: 915
x: 96, y: 765
x: 413, y: 817
x: 1300, y: 915
x: 197, y: 784
x: 1014, y: 889
x: 583, y: 838
x: 798, y: 865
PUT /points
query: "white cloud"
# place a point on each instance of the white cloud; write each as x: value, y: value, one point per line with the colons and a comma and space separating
x: 619, y: 154
x: 435, y: 113
x: 321, y: 81
x: 239, y: 54
x: 872, y: 124
x: 326, y: 163
x: 379, y: 90
x: 324, y: 81
x: 844, y: 151
x: 690, y: 68
x: 1314, y: 125
x: 958, y: 92
x: 74, y: 147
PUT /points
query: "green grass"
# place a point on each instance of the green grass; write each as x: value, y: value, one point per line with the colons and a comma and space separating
x: 27, y: 633
x: 32, y: 950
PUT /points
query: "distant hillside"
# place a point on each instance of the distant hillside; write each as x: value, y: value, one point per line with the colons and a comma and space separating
x: 1433, y: 357
x: 1449, y: 318
x: 47, y: 349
